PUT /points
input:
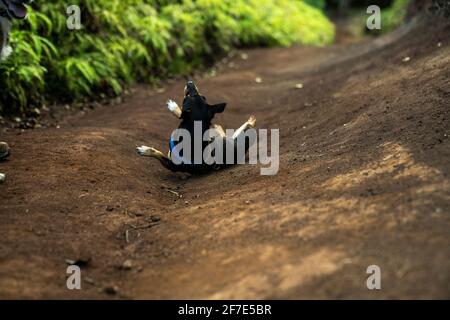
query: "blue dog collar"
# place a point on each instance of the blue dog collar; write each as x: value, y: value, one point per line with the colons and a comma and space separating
x: 171, y: 147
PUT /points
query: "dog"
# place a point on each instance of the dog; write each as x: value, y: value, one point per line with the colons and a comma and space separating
x: 10, y: 10
x: 196, y: 110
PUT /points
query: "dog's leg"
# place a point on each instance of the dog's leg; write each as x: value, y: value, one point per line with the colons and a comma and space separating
x: 154, y: 153
x: 251, y: 122
x: 247, y: 141
x: 149, y: 152
x: 174, y: 108
x: 242, y: 140
x: 219, y: 130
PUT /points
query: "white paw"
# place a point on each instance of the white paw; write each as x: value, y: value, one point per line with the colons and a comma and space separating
x: 172, y: 105
x: 143, y: 150
x: 252, y: 121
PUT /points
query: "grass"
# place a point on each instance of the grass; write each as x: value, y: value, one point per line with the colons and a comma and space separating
x: 394, y: 15
x: 126, y: 41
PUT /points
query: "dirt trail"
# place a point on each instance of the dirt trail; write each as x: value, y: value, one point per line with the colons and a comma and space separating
x: 363, y: 179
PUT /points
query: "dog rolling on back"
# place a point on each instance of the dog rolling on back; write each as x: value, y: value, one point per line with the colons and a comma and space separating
x: 195, y: 111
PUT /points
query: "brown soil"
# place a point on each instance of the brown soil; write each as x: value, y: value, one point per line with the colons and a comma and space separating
x: 364, y: 179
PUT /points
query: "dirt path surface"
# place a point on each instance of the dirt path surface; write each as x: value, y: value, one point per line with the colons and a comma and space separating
x: 364, y: 179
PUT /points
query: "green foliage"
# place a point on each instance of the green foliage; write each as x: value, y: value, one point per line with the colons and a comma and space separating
x: 317, y: 3
x: 395, y: 15
x: 124, y: 41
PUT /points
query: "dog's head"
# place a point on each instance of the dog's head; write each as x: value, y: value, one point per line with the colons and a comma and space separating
x: 195, y: 107
x: 9, y: 10
x: 191, y: 90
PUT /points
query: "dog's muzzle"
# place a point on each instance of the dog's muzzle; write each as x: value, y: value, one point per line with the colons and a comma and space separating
x: 191, y: 89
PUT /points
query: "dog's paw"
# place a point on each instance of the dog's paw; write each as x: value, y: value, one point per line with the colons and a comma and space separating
x: 252, y: 121
x: 148, y: 151
x: 144, y: 151
x: 172, y: 105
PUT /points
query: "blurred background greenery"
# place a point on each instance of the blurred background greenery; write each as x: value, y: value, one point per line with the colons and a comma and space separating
x: 128, y: 41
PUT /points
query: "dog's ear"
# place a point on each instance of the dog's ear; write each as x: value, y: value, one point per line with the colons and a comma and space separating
x: 218, y: 108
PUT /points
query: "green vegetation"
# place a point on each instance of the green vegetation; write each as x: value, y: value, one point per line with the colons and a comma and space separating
x: 124, y: 41
x: 395, y: 15
x: 317, y: 3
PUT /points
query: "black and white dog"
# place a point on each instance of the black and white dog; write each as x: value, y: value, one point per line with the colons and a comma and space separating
x: 9, y: 10
x: 196, y: 111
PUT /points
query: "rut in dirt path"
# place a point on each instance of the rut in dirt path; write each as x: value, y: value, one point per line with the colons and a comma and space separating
x: 363, y: 179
